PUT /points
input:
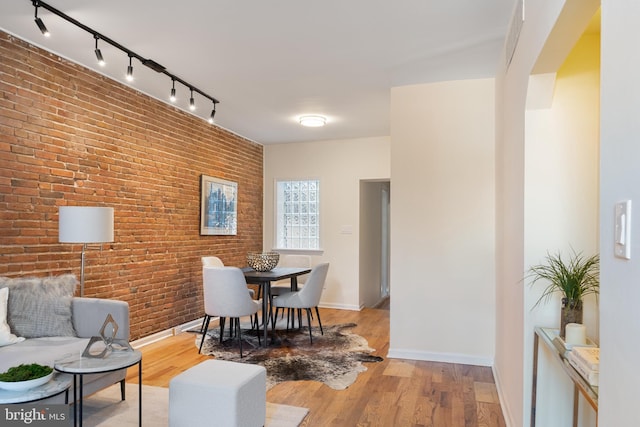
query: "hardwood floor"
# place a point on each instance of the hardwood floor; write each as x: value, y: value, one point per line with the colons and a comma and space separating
x: 392, y: 393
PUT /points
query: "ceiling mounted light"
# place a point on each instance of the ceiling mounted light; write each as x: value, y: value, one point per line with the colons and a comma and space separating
x: 130, y: 71
x: 192, y: 102
x: 313, y: 121
x: 98, y: 53
x: 213, y: 114
x: 39, y: 23
x: 172, y: 97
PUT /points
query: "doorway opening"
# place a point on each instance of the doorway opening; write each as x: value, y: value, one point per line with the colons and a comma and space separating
x: 374, y: 244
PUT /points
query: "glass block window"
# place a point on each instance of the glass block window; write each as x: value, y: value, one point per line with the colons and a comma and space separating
x: 298, y: 214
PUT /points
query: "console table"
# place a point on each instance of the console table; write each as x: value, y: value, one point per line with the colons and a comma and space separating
x: 580, y: 385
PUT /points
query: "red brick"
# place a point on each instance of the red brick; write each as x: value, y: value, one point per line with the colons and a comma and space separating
x: 73, y: 137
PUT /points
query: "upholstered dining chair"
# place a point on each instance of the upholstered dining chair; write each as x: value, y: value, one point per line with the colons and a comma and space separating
x: 283, y: 286
x: 214, y: 261
x: 225, y: 295
x: 306, y: 298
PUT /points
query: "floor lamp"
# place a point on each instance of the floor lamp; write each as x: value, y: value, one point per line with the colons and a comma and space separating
x: 85, y: 225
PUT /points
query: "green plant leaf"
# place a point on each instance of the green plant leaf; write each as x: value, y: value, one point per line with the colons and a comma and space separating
x: 574, y: 279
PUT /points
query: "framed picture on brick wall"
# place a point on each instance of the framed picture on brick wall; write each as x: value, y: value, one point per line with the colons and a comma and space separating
x: 218, y: 206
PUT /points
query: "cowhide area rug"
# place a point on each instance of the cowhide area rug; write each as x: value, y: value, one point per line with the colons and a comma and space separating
x: 335, y: 358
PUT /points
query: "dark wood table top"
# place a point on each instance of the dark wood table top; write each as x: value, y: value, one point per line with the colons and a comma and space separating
x: 278, y: 273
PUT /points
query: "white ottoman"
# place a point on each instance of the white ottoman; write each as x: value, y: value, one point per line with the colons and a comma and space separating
x: 219, y: 393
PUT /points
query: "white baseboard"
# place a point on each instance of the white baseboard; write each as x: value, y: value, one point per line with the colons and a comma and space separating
x: 194, y: 324
x: 506, y: 413
x: 341, y: 306
x: 464, y: 359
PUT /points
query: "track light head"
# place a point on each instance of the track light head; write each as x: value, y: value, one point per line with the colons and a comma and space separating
x: 172, y: 97
x: 100, y: 58
x: 39, y: 23
x: 213, y: 114
x: 192, y: 102
x: 98, y: 53
x: 42, y: 27
x: 130, y: 71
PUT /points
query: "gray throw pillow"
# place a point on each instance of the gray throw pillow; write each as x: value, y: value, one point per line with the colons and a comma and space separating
x: 40, y: 306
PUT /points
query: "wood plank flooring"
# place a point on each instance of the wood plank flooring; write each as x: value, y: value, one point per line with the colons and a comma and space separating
x: 393, y: 393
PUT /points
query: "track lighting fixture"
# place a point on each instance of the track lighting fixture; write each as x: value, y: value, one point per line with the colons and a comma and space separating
x: 213, y: 114
x: 144, y: 61
x: 98, y: 53
x: 192, y: 102
x: 39, y: 23
x: 172, y: 98
x: 130, y: 70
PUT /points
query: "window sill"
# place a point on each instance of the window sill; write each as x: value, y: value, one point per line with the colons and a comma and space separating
x: 299, y: 251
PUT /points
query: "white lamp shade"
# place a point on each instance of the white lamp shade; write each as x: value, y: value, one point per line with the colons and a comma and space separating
x: 85, y: 224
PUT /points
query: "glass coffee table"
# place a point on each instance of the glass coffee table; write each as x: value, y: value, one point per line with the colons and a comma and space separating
x: 114, y: 361
x: 59, y: 384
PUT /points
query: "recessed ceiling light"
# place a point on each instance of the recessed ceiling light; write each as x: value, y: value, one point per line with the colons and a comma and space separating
x: 312, y: 121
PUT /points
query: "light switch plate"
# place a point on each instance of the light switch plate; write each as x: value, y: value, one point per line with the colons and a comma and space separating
x: 622, y: 230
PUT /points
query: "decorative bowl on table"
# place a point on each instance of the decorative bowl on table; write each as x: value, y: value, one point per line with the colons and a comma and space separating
x: 263, y: 261
x: 25, y: 377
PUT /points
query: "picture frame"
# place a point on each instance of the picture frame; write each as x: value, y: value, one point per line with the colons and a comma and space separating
x: 218, y: 206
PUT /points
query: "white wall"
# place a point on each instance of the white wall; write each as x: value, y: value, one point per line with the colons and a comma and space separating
x: 513, y: 335
x: 620, y: 178
x: 340, y: 166
x: 442, y: 222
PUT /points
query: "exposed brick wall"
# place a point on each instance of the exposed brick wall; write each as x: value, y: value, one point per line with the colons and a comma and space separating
x: 69, y: 136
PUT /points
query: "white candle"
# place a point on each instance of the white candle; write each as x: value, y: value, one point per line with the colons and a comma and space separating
x: 575, y: 334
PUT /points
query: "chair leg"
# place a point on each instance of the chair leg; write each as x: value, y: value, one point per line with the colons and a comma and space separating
x: 309, y: 320
x: 204, y: 333
x: 239, y: 333
x: 255, y: 316
x: 122, y: 390
x: 222, y: 322
x: 319, y: 322
x: 274, y: 317
x: 273, y: 320
x: 290, y: 321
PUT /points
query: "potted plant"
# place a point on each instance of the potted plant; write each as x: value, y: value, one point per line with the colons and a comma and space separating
x: 574, y: 279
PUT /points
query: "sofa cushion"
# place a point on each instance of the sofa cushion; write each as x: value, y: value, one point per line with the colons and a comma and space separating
x: 40, y: 306
x: 6, y: 337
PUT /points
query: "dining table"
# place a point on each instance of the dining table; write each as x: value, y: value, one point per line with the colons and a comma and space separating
x: 263, y: 279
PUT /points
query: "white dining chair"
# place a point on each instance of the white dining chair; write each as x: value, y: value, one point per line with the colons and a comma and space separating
x: 225, y: 295
x: 283, y: 286
x: 214, y: 261
x: 306, y: 298
x: 290, y: 260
